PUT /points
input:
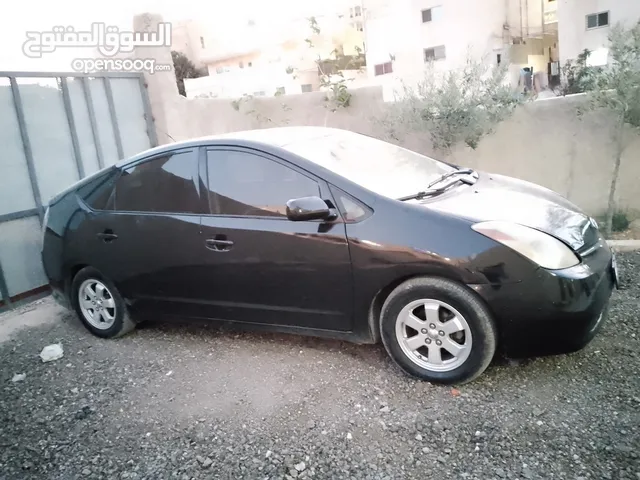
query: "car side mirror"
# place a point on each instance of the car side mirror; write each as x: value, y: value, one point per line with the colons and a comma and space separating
x: 309, y: 208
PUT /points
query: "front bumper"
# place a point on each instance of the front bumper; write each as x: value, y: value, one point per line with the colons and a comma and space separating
x: 555, y: 311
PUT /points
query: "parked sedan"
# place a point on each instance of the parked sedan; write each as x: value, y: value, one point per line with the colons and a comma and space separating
x: 330, y: 233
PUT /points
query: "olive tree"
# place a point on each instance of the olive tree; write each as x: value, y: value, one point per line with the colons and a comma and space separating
x: 453, y: 107
x: 616, y: 90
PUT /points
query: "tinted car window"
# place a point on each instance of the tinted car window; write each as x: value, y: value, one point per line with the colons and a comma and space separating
x: 164, y: 184
x: 242, y: 183
x: 350, y: 208
x: 98, y: 193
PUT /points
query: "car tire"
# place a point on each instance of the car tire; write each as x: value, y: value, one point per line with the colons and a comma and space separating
x: 99, y: 304
x: 463, y: 325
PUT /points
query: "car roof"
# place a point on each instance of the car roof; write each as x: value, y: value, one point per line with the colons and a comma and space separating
x: 274, y: 137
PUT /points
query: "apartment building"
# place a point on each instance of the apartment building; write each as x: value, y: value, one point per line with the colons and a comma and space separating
x: 188, y: 37
x: 402, y: 35
x: 540, y: 35
x: 269, y: 59
x: 587, y: 23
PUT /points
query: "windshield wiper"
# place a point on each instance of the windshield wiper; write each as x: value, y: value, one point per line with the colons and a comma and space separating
x: 436, y: 191
x: 463, y: 171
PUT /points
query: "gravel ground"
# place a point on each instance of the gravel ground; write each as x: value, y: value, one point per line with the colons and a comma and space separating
x: 185, y: 401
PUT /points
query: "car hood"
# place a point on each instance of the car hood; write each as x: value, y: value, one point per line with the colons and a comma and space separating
x: 496, y: 197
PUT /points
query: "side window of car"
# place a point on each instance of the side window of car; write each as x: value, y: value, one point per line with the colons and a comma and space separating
x: 98, y: 194
x: 165, y: 185
x: 351, y: 209
x: 242, y: 183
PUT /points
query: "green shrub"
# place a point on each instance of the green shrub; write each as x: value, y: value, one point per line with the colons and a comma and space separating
x: 620, y: 222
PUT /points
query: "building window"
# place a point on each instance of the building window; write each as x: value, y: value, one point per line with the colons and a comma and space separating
x: 307, y: 87
x: 241, y: 64
x: 358, y: 26
x: 259, y: 94
x: 202, y: 42
x: 383, y: 69
x: 355, y: 12
x: 431, y: 14
x: 434, y: 53
x: 219, y: 69
x: 499, y: 57
x: 280, y: 91
x: 250, y: 64
x: 597, y: 20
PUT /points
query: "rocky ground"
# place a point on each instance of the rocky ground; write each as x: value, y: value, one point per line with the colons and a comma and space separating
x: 176, y: 401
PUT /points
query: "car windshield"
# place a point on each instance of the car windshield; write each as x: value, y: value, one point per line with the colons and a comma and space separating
x: 381, y: 167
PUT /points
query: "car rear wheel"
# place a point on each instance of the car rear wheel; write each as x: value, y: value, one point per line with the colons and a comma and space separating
x: 438, y: 330
x: 99, y: 304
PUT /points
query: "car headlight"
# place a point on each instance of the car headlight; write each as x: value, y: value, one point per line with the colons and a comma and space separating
x: 537, y: 246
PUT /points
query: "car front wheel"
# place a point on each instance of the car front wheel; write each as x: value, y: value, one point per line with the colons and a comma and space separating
x: 99, y: 304
x: 438, y: 330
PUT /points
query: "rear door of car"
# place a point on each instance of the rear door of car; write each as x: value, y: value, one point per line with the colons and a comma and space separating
x: 260, y: 267
x: 147, y: 240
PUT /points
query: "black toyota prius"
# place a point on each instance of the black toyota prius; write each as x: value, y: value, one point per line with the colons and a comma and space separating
x: 326, y: 232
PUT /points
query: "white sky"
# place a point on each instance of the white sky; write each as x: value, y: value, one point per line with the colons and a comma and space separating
x: 41, y: 15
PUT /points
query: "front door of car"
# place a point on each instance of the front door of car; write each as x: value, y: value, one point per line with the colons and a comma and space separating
x: 260, y: 267
x: 146, y: 242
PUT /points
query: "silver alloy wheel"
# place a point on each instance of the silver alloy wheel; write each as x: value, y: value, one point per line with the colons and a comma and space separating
x: 97, y: 304
x: 433, y: 335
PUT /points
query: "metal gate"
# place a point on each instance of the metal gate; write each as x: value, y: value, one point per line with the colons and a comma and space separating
x: 56, y: 128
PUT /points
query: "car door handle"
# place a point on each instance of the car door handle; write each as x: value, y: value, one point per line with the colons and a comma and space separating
x: 218, y: 245
x: 107, y: 236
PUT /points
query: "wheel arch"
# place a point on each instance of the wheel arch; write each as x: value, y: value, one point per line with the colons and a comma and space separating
x: 375, y: 307
x: 72, y: 271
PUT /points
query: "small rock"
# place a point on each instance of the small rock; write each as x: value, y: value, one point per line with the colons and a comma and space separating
x: 52, y: 352
x: 500, y: 473
x: 447, y: 451
x: 426, y: 450
x: 19, y: 377
x: 75, y: 391
x: 349, y: 436
x: 200, y: 459
x: 419, y: 437
x: 86, y: 471
x: 84, y: 413
x: 268, y: 454
x: 526, y: 472
x: 384, y: 409
x: 480, y: 434
x: 311, y: 424
x: 207, y: 463
x: 300, y: 466
x: 537, y: 412
x: 539, y: 423
x: 441, y: 459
